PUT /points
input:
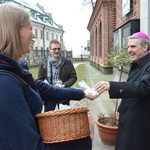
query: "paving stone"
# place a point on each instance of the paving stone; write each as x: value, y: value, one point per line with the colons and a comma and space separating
x: 96, y: 107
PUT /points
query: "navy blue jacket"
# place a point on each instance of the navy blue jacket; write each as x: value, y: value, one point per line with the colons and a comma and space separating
x: 19, y: 104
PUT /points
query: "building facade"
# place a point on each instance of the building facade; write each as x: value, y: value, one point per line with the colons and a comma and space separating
x: 127, y: 23
x: 44, y: 28
x: 101, y: 26
x: 126, y: 17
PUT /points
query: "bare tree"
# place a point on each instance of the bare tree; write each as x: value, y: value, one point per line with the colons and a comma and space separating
x: 89, y: 3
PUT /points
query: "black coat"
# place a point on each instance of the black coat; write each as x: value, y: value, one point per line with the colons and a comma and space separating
x: 67, y: 72
x: 134, y: 119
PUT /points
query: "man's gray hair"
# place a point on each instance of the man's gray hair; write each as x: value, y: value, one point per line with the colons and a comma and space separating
x: 142, y: 41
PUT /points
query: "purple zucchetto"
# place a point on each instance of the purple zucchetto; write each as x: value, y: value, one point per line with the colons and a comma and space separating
x: 140, y: 34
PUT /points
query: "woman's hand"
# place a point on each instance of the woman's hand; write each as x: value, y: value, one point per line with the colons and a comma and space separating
x: 90, y: 94
x: 59, y: 85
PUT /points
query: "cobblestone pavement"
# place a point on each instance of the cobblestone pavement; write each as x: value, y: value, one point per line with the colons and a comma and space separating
x: 96, y: 107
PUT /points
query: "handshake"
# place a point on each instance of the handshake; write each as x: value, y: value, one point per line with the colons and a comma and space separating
x: 93, y: 93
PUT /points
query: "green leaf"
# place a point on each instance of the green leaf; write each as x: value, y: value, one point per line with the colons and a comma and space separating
x: 120, y: 57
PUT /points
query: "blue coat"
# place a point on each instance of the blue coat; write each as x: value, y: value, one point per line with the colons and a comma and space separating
x: 134, y: 119
x: 19, y: 104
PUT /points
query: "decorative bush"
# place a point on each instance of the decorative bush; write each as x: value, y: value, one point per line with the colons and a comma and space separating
x: 120, y: 58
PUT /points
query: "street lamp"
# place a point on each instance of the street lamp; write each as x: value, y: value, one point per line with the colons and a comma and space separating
x: 81, y: 53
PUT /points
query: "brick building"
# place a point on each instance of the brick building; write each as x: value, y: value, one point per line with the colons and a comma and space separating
x: 111, y: 22
x: 101, y: 26
x: 127, y: 21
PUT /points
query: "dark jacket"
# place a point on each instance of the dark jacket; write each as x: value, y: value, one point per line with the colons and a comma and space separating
x: 67, y: 72
x: 19, y: 104
x: 134, y: 118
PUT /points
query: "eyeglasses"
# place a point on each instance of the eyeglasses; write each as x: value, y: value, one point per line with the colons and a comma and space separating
x: 54, y: 49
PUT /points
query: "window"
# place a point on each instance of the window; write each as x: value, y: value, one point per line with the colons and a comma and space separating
x: 35, y: 33
x: 115, y: 41
x: 61, y: 38
x: 47, y: 38
x: 50, y: 20
x: 44, y: 19
x: 34, y: 15
x: 41, y: 34
x: 57, y: 36
x: 36, y: 51
x: 125, y: 35
x: 52, y: 36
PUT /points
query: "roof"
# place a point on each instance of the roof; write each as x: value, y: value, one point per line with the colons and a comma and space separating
x: 30, y: 6
x: 40, y: 12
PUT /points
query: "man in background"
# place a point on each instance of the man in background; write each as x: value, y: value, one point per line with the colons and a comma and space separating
x: 56, y: 70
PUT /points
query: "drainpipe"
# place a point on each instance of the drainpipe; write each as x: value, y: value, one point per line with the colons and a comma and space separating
x: 44, y: 39
x: 63, y: 47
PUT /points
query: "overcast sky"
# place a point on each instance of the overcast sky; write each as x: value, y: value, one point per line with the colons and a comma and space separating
x: 73, y: 17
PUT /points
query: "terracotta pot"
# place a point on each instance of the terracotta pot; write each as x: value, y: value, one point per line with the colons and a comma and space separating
x: 108, y: 134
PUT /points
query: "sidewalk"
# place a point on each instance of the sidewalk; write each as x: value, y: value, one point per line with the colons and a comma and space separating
x: 101, y: 105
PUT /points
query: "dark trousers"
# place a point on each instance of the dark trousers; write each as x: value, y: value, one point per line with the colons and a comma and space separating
x: 50, y: 105
x: 80, y: 144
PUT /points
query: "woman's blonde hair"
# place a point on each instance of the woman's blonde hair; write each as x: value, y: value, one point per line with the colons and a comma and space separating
x: 12, y: 18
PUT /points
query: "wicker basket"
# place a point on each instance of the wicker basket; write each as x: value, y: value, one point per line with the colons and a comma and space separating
x: 64, y: 125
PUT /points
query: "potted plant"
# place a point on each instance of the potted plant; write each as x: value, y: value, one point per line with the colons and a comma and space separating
x: 108, y: 125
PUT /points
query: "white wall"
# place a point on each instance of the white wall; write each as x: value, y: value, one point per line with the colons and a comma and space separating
x: 145, y: 16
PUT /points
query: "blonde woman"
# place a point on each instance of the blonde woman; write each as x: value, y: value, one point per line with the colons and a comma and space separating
x: 20, y: 96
